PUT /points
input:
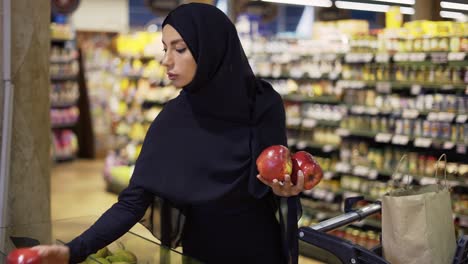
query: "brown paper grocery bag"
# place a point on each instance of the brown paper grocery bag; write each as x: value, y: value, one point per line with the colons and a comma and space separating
x: 417, y: 225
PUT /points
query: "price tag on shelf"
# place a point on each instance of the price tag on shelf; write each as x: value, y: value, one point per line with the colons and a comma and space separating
x: 309, y: 123
x: 301, y: 144
x: 328, y: 175
x: 356, y: 84
x: 372, y: 110
x: 293, y: 121
x: 382, y: 57
x: 423, y: 142
x: 446, y: 117
x: 343, y: 167
x: 439, y: 57
x: 463, y: 220
x: 330, y: 197
x: 373, y: 174
x: 397, y: 176
x: 361, y: 171
x: 433, y: 116
x: 461, y: 119
x: 343, y: 132
x: 448, y: 145
x: 328, y: 148
x: 401, y: 57
x: 358, y: 109
x: 291, y: 141
x: 461, y: 148
x: 452, y: 183
x: 447, y: 87
x: 383, y: 87
x: 410, y: 113
x: 400, y: 140
x: 416, y: 89
x: 427, y: 181
x: 456, y: 56
x: 417, y: 57
x: 383, y: 137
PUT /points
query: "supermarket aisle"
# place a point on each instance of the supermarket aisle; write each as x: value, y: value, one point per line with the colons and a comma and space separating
x: 77, y: 189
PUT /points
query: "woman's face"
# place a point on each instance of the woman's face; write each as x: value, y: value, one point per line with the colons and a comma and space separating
x: 180, y: 64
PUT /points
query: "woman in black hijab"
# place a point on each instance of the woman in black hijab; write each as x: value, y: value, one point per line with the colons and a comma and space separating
x: 196, y: 171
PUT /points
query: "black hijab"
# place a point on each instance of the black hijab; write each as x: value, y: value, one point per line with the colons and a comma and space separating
x: 203, y: 145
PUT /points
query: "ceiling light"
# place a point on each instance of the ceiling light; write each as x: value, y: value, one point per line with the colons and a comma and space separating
x: 451, y: 5
x: 322, y: 3
x: 371, y: 7
x: 402, y: 2
x: 455, y: 15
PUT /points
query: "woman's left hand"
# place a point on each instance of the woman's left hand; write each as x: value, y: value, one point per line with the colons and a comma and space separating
x: 286, y: 188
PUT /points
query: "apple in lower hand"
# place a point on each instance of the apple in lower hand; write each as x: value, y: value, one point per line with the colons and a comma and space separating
x: 312, y: 171
x: 274, y: 162
x: 24, y: 256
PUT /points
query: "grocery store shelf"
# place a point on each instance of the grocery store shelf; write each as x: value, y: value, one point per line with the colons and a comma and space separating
x: 392, y: 86
x: 317, y: 99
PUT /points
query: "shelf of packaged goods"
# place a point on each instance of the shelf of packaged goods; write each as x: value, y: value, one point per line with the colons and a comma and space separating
x: 413, y: 87
x: 430, y: 115
x: 318, y: 99
x: 64, y: 78
x: 303, y: 78
x: 310, y: 123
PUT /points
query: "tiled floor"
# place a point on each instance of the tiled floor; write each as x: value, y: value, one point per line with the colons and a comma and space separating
x: 78, y: 190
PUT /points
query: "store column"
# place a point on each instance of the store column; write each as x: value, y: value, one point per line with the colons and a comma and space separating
x: 26, y: 188
x: 427, y: 10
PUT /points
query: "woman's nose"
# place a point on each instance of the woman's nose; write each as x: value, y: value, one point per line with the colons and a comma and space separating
x: 167, y: 60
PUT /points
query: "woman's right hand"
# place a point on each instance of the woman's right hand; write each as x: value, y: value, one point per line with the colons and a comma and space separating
x: 53, y: 254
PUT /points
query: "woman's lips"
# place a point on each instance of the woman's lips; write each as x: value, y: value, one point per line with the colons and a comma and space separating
x: 172, y: 76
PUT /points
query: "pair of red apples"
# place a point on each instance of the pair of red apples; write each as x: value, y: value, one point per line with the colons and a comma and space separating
x: 277, y: 161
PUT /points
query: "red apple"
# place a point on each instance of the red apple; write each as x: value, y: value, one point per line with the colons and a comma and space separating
x: 24, y: 256
x: 305, y: 162
x: 274, y: 162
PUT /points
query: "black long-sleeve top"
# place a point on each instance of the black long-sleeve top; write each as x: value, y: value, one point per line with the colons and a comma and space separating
x: 115, y: 222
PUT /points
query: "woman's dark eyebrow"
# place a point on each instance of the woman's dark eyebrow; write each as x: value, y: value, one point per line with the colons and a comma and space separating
x: 174, y: 41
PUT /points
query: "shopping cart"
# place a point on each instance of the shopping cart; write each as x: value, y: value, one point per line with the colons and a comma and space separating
x: 347, y: 252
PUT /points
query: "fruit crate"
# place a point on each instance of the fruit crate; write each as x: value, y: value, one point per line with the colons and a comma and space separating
x: 138, y: 241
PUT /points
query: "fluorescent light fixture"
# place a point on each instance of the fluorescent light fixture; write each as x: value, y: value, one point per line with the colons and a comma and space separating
x: 371, y: 7
x: 401, y: 2
x: 407, y: 10
x: 322, y: 3
x: 451, y: 5
x: 455, y: 15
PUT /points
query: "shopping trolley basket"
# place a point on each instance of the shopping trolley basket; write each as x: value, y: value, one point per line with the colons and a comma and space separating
x: 348, y: 252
